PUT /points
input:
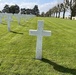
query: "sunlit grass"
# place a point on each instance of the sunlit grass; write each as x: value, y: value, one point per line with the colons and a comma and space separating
x: 17, y: 48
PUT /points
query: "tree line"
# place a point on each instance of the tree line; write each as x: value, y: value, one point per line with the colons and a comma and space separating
x: 16, y: 9
x: 62, y: 7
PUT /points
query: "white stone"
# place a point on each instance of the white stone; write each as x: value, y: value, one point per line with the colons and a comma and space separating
x: 9, y: 18
x: 73, y: 18
x: 1, y: 15
x: 39, y: 33
x: 27, y: 17
x: 18, y: 16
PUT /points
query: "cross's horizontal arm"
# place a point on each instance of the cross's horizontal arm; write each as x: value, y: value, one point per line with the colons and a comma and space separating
x: 33, y: 32
x: 46, y: 33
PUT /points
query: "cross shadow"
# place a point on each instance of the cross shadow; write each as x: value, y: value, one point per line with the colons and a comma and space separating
x: 3, y: 23
x: 22, y: 25
x: 16, y: 32
x: 60, y: 68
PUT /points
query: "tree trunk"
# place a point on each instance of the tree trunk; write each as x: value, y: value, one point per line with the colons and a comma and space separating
x: 64, y: 13
x: 59, y: 15
x: 56, y: 14
x: 71, y: 14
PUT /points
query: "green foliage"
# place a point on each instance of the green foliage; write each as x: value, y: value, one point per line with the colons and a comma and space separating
x: 11, y: 9
x: 14, y: 9
x: 17, y: 48
x: 36, y: 10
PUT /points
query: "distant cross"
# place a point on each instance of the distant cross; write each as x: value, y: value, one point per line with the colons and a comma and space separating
x: 9, y: 18
x: 18, y: 16
x: 39, y: 33
x: 1, y: 15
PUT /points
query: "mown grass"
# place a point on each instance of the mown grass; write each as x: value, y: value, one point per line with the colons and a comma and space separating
x: 17, y: 48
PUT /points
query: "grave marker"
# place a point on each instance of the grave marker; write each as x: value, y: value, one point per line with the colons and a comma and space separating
x: 39, y: 33
x: 18, y: 16
x: 1, y: 15
x: 9, y: 18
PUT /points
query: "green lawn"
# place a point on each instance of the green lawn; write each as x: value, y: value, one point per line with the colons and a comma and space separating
x: 17, y: 48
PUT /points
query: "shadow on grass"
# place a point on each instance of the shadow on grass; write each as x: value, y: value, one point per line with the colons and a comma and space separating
x: 60, y: 68
x: 16, y: 32
x: 22, y: 25
x: 4, y: 23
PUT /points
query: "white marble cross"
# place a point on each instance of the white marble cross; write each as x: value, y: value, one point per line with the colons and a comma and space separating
x: 1, y: 15
x: 0, y: 19
x: 18, y: 16
x: 9, y: 18
x: 39, y: 33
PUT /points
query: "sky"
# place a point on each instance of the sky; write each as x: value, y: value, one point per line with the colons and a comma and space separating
x: 43, y: 5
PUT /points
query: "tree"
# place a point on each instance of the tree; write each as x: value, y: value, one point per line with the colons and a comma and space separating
x: 60, y: 6
x: 29, y: 11
x: 47, y: 14
x: 71, y: 4
x: 64, y: 7
x: 23, y: 11
x: 74, y: 10
x: 36, y: 10
x: 14, y: 9
x: 55, y: 10
x: 42, y: 14
x: 6, y: 9
x: 52, y: 12
x: 17, y: 9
